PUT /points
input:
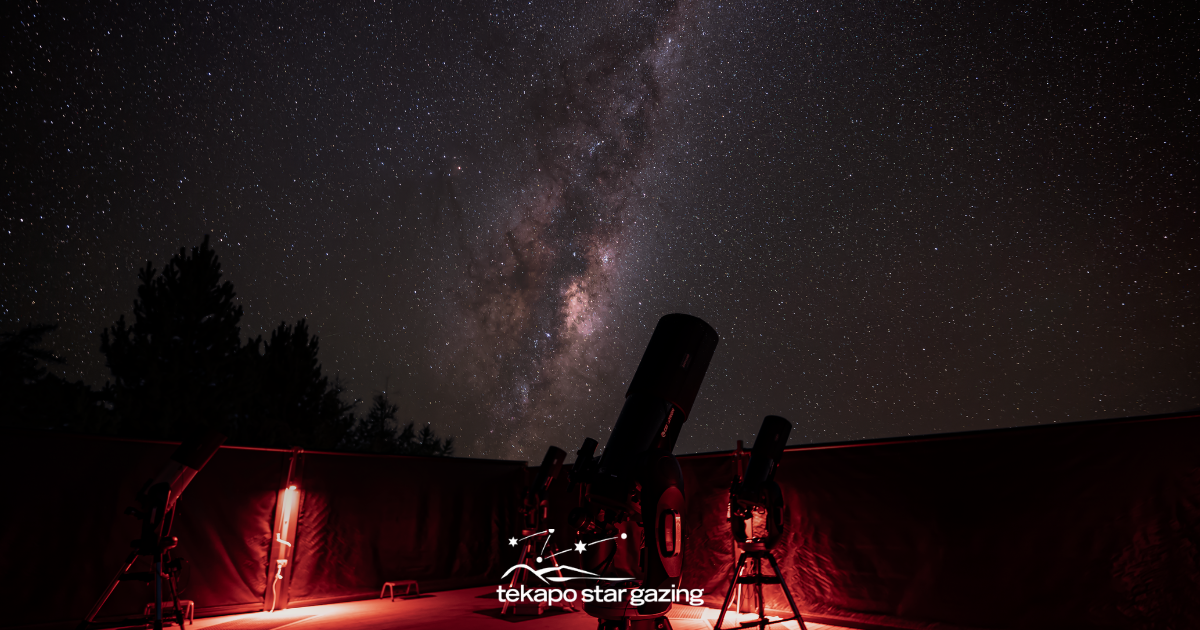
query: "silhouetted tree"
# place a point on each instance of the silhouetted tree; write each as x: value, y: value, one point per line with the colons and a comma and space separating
x: 176, y: 366
x: 20, y: 358
x: 22, y: 370
x: 290, y: 403
x: 427, y: 443
x: 182, y: 364
x: 377, y: 433
x: 33, y: 398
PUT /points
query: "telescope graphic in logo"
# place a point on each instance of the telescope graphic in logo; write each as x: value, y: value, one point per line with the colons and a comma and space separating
x: 555, y: 567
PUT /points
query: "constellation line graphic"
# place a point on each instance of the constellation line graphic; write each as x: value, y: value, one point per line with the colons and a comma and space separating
x: 579, y: 547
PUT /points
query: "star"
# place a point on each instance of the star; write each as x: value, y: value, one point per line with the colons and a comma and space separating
x: 512, y: 542
x: 548, y: 295
x: 580, y: 547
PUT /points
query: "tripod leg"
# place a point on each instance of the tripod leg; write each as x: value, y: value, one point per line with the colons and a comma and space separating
x: 786, y: 591
x: 737, y: 572
x: 762, y: 617
x: 158, y: 613
x: 171, y: 579
x: 554, y: 561
x: 112, y: 586
x: 515, y: 576
x: 737, y: 602
x: 170, y: 574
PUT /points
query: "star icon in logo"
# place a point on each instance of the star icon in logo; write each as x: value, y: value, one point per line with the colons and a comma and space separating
x: 580, y: 547
x: 512, y: 542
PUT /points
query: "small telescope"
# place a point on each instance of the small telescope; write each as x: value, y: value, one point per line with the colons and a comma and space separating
x: 755, y: 502
x: 637, y: 478
x: 535, y: 541
x: 156, y: 510
x: 536, y: 508
x: 756, y: 519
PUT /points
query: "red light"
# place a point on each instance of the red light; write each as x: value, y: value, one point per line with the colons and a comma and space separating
x: 282, y: 535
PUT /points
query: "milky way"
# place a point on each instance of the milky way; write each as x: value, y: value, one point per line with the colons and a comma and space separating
x: 537, y: 304
x: 900, y: 220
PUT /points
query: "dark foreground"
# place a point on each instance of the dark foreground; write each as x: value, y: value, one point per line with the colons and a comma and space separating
x: 475, y: 608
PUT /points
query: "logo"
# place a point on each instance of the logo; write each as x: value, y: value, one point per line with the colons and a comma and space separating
x: 567, y: 573
x: 579, y: 574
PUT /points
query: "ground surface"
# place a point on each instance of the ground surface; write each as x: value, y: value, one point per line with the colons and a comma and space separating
x: 467, y: 609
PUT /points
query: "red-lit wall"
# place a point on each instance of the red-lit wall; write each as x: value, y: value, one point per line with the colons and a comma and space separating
x: 1088, y: 525
x: 363, y: 520
x: 1084, y: 525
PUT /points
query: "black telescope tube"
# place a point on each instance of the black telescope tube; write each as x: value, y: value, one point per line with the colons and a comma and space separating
x: 551, y: 465
x: 768, y: 450
x: 657, y: 403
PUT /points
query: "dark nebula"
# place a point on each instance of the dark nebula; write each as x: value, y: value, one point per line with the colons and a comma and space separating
x: 900, y: 218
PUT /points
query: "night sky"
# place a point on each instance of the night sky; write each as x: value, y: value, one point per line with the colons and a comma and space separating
x: 901, y: 218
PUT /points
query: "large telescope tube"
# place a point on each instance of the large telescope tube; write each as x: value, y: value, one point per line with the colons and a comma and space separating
x: 657, y: 403
x: 637, y: 476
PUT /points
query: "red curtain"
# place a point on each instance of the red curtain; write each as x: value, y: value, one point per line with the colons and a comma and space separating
x: 363, y: 520
x: 1090, y: 525
x: 1081, y: 525
x: 366, y: 520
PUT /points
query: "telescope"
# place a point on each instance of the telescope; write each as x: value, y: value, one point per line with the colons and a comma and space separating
x: 536, y: 508
x: 755, y: 502
x: 536, y: 544
x: 156, y: 510
x: 637, y: 479
x: 756, y: 520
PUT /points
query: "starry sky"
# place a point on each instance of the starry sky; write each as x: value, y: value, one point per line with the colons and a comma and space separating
x: 902, y: 218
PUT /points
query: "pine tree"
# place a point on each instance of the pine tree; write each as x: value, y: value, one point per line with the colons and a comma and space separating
x: 379, y: 432
x: 176, y: 366
x: 376, y: 432
x: 21, y: 360
x: 293, y: 403
x: 427, y: 443
x: 181, y: 363
x: 34, y: 398
x: 22, y: 371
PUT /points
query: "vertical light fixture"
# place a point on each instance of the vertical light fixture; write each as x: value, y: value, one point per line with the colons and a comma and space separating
x: 285, y: 544
x: 283, y: 538
x: 289, y: 497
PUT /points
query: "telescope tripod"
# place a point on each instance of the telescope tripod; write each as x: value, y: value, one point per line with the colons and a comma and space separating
x: 756, y: 552
x: 529, y: 551
x: 162, y: 568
